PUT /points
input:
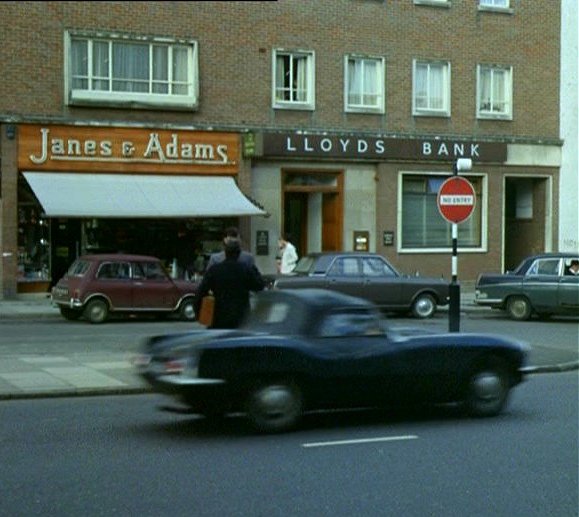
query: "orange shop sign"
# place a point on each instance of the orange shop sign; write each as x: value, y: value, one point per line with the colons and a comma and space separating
x: 126, y: 150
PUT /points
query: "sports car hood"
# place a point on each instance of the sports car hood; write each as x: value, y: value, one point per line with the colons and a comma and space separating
x: 423, y: 337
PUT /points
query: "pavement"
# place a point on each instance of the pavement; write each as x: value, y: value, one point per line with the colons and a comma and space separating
x: 109, y: 373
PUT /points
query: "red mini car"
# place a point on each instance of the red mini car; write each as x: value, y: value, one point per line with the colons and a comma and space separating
x: 96, y: 285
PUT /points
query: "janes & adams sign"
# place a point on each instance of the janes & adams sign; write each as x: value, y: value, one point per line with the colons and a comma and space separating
x: 132, y: 150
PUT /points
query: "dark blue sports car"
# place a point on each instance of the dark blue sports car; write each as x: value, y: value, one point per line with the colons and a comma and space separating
x: 311, y: 349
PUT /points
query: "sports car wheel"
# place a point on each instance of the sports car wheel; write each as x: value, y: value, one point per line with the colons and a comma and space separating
x: 488, y: 388
x: 70, y: 314
x: 96, y: 311
x: 424, y: 306
x: 275, y: 406
x: 187, y: 310
x: 518, y: 308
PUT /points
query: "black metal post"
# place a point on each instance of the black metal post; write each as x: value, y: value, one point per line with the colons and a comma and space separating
x: 454, y: 287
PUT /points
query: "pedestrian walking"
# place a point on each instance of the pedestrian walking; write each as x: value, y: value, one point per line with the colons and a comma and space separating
x: 289, y: 255
x: 231, y: 234
x: 231, y: 282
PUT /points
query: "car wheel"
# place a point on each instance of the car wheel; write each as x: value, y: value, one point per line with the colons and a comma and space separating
x: 96, y: 311
x: 187, y: 310
x: 275, y: 406
x: 70, y: 314
x: 518, y: 308
x: 424, y: 306
x: 488, y: 388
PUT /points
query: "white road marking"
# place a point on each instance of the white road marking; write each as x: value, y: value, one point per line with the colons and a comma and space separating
x: 363, y: 440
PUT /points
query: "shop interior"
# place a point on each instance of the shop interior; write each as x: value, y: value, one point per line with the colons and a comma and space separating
x: 47, y: 246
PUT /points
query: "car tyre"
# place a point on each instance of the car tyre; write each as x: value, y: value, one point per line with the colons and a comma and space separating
x: 275, y: 406
x: 519, y: 308
x: 424, y: 306
x: 70, y: 314
x: 487, y: 388
x: 187, y: 310
x: 97, y: 311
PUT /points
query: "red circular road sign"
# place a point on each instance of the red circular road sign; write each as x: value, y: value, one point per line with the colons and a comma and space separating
x: 456, y: 199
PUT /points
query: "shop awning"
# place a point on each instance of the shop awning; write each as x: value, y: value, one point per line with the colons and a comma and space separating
x: 123, y: 195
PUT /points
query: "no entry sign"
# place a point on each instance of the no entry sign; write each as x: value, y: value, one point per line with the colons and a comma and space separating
x: 456, y: 199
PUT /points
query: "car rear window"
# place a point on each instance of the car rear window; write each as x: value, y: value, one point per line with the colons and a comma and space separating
x: 78, y: 268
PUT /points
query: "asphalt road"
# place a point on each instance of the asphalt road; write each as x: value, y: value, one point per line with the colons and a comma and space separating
x: 120, y: 456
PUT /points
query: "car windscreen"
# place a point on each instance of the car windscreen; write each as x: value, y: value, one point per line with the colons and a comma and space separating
x: 304, y: 265
x: 78, y: 268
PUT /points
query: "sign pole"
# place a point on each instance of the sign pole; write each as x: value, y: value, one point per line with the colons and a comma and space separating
x: 454, y: 287
x: 455, y: 200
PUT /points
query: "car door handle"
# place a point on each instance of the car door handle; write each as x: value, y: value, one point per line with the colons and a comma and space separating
x: 138, y: 283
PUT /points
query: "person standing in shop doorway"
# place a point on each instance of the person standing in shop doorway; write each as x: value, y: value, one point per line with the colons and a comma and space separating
x: 231, y: 235
x: 289, y: 255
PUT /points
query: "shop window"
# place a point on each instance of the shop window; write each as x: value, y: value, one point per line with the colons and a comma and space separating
x: 33, y: 238
x: 422, y: 225
x: 364, y: 84
x: 293, y: 78
x: 118, y: 70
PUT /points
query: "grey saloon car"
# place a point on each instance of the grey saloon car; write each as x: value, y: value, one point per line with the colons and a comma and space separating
x: 369, y: 276
x: 542, y: 285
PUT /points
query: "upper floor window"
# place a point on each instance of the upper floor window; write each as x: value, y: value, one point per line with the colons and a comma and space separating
x: 115, y: 70
x: 364, y: 84
x: 431, y: 88
x: 293, y: 80
x: 494, y: 92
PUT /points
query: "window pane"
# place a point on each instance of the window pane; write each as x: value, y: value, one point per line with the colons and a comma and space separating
x: 180, y: 71
x: 79, y: 64
x: 292, y: 78
x: 422, y: 224
x: 130, y: 67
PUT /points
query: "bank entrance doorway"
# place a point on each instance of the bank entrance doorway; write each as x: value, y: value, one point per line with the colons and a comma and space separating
x: 313, y: 209
x: 527, y: 217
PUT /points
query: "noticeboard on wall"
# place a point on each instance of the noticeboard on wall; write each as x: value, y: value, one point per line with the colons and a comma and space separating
x: 361, y: 241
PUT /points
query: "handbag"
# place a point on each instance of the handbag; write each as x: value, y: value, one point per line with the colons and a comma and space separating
x: 206, y: 311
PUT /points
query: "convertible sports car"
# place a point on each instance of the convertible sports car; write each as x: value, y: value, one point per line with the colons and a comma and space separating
x: 370, y: 276
x: 542, y: 284
x: 311, y: 349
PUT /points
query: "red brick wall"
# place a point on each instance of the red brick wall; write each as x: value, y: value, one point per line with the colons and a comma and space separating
x: 235, y: 54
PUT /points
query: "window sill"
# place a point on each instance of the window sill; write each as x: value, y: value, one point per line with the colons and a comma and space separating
x: 485, y: 116
x: 299, y: 106
x: 83, y: 98
x: 436, y: 114
x: 498, y: 10
x: 434, y: 3
x: 367, y: 111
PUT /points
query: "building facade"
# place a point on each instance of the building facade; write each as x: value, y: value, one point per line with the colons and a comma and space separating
x: 569, y: 176
x: 150, y: 126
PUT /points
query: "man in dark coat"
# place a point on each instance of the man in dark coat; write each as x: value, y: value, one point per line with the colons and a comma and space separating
x: 231, y: 234
x: 231, y: 282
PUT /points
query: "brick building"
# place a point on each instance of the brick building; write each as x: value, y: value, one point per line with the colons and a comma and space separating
x: 150, y: 126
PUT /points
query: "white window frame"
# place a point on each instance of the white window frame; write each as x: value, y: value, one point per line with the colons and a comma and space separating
x: 430, y: 111
x: 310, y: 81
x: 495, y: 4
x: 379, y: 86
x: 91, y: 96
x: 507, y: 73
x: 483, y: 214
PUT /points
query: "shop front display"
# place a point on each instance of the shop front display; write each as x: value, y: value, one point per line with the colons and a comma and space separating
x: 164, y: 193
